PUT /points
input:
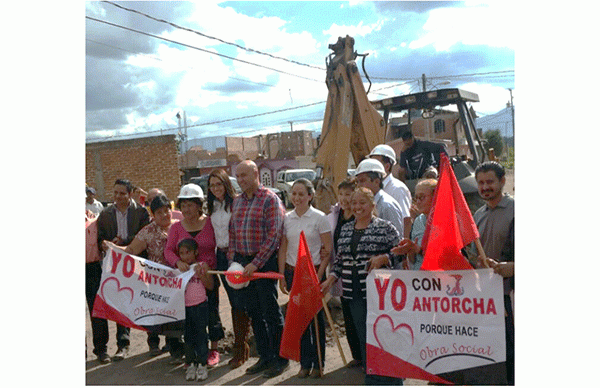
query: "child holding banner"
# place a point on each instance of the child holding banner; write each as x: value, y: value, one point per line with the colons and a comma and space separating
x: 196, y: 312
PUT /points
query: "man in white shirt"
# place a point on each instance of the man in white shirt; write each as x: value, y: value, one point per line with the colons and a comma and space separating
x: 91, y: 203
x: 369, y: 174
x: 394, y: 187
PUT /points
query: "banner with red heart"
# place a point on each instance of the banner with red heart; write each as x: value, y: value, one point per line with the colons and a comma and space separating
x: 136, y: 292
x: 424, y: 323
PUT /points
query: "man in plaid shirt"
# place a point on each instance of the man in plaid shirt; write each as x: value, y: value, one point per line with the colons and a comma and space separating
x: 255, y: 231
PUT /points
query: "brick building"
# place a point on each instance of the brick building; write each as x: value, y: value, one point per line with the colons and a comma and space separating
x: 276, y: 150
x: 147, y: 162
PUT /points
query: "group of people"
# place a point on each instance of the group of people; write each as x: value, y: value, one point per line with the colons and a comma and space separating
x: 375, y: 224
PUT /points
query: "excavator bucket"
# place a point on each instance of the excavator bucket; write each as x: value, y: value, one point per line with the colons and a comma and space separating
x: 350, y: 126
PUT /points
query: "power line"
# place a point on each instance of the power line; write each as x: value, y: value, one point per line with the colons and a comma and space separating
x: 162, y: 60
x: 214, y: 38
x: 201, y: 49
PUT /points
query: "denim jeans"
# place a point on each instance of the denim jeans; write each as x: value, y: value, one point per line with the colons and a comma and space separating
x: 196, y: 336
x: 259, y: 299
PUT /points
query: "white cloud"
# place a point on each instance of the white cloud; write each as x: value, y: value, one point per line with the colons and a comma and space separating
x: 491, y: 98
x: 481, y: 24
x: 360, y: 30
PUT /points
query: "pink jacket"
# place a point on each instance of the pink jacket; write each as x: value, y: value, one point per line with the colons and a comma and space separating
x: 205, y: 239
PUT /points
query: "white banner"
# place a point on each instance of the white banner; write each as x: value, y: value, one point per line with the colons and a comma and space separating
x: 433, y: 322
x: 137, y: 292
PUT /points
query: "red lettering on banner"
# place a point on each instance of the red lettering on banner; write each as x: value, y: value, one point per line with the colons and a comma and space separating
x: 381, y: 288
x: 149, y: 278
x: 466, y: 309
x: 398, y: 305
x: 455, y: 305
x: 478, y: 305
x: 116, y: 258
x: 491, y: 307
x: 128, y: 266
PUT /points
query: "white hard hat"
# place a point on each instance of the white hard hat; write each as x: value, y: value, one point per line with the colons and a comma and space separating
x: 191, y: 191
x: 384, y: 150
x: 370, y: 165
x: 236, y: 267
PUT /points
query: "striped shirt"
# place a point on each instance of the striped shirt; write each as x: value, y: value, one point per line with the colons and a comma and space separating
x: 378, y: 238
x: 256, y: 226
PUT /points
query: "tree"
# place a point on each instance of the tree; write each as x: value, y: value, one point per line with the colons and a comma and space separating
x: 494, y: 140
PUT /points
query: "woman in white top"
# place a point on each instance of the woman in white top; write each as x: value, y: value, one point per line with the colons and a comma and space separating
x: 317, y: 230
x: 219, y: 200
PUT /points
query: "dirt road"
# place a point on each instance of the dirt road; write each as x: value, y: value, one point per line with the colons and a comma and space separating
x: 142, y: 369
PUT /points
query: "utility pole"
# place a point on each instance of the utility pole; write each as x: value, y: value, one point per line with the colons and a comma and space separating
x: 512, y: 111
x: 424, y: 82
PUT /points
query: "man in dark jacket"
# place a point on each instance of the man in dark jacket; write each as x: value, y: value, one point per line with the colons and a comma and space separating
x: 118, y: 223
x: 417, y: 156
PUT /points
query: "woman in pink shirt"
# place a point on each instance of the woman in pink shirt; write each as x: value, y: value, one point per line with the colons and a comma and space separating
x: 195, y: 225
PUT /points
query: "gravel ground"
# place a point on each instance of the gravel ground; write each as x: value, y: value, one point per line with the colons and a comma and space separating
x: 142, y: 369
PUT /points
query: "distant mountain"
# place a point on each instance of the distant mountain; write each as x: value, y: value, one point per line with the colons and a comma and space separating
x: 501, y: 120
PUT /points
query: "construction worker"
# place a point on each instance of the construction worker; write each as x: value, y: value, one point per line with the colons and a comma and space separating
x: 370, y: 174
x: 417, y: 155
x: 394, y: 187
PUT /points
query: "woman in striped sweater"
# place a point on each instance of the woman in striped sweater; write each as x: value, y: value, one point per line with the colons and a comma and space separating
x: 364, y: 244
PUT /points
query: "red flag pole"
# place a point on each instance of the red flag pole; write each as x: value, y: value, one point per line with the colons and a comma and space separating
x: 481, y: 252
x: 330, y: 320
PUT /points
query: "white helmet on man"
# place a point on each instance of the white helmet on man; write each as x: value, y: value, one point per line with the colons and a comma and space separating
x: 191, y: 190
x: 370, y: 165
x: 386, y: 151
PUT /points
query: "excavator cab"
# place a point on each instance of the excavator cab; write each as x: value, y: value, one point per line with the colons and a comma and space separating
x: 426, y: 105
x: 353, y: 125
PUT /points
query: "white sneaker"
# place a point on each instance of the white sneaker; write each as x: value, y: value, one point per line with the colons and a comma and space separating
x: 202, y: 372
x: 190, y: 374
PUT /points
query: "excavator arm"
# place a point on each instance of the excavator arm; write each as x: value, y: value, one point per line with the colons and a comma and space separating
x: 351, y: 125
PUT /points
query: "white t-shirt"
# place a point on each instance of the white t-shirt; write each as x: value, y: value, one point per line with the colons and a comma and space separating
x: 95, y: 207
x: 400, y: 192
x: 220, y: 221
x: 313, y: 223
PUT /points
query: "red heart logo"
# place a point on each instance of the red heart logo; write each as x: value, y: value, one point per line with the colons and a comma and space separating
x: 396, y: 340
x: 112, y: 288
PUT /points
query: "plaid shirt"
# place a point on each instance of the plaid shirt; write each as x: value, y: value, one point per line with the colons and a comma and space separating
x: 256, y: 226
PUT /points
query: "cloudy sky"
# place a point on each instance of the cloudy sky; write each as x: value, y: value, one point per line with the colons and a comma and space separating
x: 220, y: 62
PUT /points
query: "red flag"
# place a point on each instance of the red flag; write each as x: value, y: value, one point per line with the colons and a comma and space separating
x: 305, y: 302
x: 450, y: 225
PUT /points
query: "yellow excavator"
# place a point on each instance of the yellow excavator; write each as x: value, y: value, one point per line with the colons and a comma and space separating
x: 353, y: 125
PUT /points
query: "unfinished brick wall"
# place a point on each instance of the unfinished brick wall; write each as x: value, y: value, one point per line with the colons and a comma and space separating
x: 146, y: 162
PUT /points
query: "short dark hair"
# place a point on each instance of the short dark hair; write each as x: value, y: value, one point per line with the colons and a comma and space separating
x: 348, y: 183
x: 375, y: 175
x: 310, y: 188
x: 126, y: 183
x: 158, y: 202
x: 188, y: 243
x: 196, y: 200
x: 491, y: 165
x: 407, y: 135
